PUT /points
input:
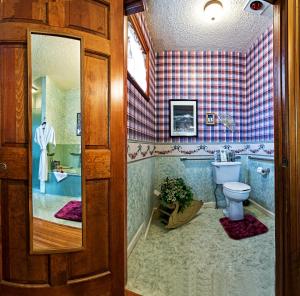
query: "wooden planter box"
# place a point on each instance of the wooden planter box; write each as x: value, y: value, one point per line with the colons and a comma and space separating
x: 173, y: 218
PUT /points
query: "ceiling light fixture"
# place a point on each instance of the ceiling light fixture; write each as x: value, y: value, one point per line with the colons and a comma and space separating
x: 256, y: 5
x: 213, y: 9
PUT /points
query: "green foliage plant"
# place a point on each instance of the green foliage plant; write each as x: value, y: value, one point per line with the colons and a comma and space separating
x: 175, y: 190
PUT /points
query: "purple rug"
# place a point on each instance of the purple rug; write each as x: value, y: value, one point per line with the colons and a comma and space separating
x: 71, y: 211
x: 248, y: 227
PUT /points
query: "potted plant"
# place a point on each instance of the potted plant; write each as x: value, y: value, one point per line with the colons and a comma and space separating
x: 177, y: 204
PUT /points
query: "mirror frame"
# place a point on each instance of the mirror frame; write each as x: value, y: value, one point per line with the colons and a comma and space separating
x: 83, y: 179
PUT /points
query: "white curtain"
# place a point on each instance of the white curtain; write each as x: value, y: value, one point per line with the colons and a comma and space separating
x: 136, y: 59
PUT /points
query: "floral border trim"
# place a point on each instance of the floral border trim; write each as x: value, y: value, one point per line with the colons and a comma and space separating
x: 137, y: 151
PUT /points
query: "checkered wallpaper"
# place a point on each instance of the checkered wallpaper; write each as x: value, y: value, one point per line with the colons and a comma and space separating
x: 259, y: 89
x: 141, y: 114
x: 216, y: 79
x: 239, y: 84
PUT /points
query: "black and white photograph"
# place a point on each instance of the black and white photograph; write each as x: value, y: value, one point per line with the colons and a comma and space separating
x: 183, y: 115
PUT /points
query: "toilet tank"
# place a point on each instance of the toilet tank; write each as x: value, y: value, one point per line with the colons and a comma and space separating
x: 226, y: 172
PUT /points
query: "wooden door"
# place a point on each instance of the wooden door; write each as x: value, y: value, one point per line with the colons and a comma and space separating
x: 293, y: 147
x: 99, y: 268
x: 287, y: 131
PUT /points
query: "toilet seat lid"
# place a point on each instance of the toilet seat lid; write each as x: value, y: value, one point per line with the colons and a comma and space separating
x: 236, y: 186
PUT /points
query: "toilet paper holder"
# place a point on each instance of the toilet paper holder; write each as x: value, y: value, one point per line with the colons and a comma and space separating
x: 263, y: 171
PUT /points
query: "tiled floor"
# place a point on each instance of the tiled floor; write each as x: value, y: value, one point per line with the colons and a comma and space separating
x: 199, y: 259
x: 46, y: 205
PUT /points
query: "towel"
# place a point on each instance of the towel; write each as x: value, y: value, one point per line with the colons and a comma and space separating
x: 60, y: 176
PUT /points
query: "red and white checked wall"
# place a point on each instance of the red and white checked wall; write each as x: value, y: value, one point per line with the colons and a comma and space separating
x: 240, y: 84
x: 214, y: 78
x: 259, y: 89
x: 141, y: 114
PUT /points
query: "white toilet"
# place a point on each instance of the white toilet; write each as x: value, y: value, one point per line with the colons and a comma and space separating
x: 228, y: 174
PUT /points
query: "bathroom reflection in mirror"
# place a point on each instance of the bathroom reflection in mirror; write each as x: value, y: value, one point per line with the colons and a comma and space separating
x: 56, y: 143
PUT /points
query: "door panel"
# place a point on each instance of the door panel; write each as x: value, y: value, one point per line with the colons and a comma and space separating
x: 97, y: 10
x: 96, y: 99
x: 98, y: 269
x: 19, y: 266
x: 95, y: 259
x: 98, y: 164
x: 16, y: 170
x: 13, y: 85
x: 30, y: 10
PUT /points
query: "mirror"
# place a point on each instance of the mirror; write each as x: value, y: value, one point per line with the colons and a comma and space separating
x: 56, y: 201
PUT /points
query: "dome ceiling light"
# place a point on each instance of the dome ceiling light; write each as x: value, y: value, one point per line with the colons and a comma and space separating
x: 213, y: 9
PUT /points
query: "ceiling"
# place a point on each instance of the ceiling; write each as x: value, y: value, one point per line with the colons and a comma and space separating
x: 181, y: 24
x: 58, y: 58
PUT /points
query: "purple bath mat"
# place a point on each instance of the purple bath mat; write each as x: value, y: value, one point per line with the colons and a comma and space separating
x: 248, y: 227
x: 71, y: 211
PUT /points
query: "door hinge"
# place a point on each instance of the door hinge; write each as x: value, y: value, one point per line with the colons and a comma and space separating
x: 285, y: 163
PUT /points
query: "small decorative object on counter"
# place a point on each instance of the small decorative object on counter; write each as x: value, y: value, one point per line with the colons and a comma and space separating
x: 223, y: 155
x: 177, y: 205
x: 230, y: 156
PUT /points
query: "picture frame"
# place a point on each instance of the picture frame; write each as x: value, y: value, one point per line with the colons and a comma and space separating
x: 183, y: 118
x: 211, y: 118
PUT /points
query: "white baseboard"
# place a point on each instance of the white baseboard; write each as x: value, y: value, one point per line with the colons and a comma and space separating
x: 261, y: 208
x: 149, y: 222
x: 135, y: 239
x: 144, y: 228
x: 209, y: 204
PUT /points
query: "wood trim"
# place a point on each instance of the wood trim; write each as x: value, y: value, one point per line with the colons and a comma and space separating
x: 287, y: 145
x: 125, y: 86
x: 280, y: 142
x: 118, y: 124
x: 137, y: 28
x: 293, y: 111
x: 137, y: 86
x: 17, y: 33
x: 133, y: 6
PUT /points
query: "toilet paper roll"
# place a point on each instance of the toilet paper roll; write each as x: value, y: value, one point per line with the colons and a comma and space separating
x: 259, y: 170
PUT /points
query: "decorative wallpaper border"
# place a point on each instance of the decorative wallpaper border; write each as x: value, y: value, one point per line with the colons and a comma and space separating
x: 142, y: 150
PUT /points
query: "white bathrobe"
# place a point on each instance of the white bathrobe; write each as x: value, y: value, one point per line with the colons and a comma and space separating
x: 43, y: 136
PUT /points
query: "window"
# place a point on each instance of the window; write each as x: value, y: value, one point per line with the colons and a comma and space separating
x: 138, y: 58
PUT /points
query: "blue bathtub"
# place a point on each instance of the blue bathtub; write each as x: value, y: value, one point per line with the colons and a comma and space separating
x: 71, y: 186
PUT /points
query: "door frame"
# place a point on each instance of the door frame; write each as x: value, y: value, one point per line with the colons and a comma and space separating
x: 287, y: 145
x: 285, y: 148
x: 280, y: 143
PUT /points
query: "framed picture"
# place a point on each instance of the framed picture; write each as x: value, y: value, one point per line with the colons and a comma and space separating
x: 211, y: 118
x: 78, y: 125
x: 183, y: 118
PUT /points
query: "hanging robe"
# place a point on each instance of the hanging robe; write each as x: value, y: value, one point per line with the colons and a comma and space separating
x: 44, y: 135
